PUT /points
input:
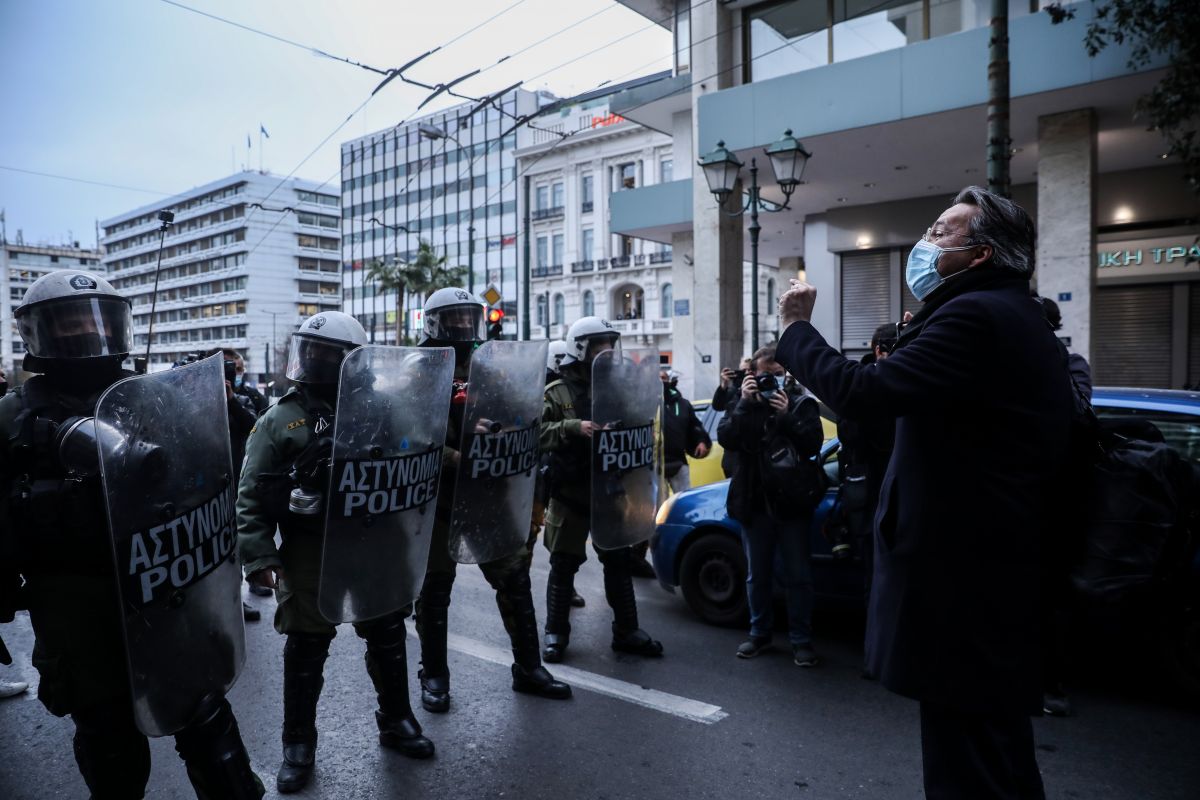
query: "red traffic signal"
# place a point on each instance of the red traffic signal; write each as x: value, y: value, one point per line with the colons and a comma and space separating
x: 495, y: 315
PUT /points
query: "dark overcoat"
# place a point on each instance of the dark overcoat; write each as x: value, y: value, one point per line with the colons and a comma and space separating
x: 982, y: 405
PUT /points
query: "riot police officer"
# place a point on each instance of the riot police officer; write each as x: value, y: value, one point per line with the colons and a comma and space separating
x: 566, y: 432
x: 286, y: 465
x: 455, y: 318
x: 77, y: 332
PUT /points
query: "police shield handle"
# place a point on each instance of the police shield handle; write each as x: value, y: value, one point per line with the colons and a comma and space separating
x: 796, y: 304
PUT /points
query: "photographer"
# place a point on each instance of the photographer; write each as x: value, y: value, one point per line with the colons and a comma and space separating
x: 775, y: 428
x: 683, y: 435
x: 241, y: 388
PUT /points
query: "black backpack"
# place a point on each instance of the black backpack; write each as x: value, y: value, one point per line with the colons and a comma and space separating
x: 792, y: 483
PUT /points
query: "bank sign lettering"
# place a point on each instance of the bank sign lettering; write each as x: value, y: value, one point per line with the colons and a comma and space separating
x: 181, y: 551
x: 624, y: 449
x: 385, y: 485
x: 1171, y: 256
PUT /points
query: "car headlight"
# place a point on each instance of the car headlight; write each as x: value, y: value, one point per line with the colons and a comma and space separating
x: 664, y: 510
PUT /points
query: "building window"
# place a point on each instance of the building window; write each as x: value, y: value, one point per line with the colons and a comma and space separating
x: 589, y: 303
x: 559, y: 309
x: 589, y: 241
x: 624, y: 246
x: 628, y: 301
x: 770, y: 292
x: 557, y: 251
x: 585, y: 191
x: 627, y: 176
x: 683, y: 36
x: 668, y: 301
x: 543, y: 252
x: 556, y: 195
x: 543, y: 198
x: 666, y: 170
x: 541, y: 310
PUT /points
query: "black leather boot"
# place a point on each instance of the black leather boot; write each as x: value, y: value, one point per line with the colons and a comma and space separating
x: 387, y: 664
x: 515, y: 599
x: 560, y: 586
x: 433, y: 607
x: 217, y: 763
x: 618, y: 589
x: 303, y: 676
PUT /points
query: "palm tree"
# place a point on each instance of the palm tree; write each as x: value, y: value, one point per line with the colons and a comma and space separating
x: 391, y: 276
x: 423, y: 276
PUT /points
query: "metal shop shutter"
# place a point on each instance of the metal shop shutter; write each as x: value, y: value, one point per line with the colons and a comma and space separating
x: 1131, y: 337
x: 866, y: 296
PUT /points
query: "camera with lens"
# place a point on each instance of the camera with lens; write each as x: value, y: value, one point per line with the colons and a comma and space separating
x: 230, y: 370
x: 768, y: 384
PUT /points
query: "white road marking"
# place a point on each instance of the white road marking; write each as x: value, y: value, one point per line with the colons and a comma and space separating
x: 672, y: 704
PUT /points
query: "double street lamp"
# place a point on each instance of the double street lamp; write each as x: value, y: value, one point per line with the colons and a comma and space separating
x: 433, y: 133
x: 722, y: 170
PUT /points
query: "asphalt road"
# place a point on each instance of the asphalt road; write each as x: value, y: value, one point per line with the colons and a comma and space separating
x: 698, y: 723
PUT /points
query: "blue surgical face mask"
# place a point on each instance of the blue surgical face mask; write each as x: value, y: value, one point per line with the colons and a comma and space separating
x: 921, y: 274
x: 238, y: 380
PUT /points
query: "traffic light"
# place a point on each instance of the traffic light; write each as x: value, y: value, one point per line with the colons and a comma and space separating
x: 495, y: 324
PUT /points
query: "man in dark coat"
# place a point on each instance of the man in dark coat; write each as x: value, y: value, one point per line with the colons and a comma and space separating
x: 983, y: 408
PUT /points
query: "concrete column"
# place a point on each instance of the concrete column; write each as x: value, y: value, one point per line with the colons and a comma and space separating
x: 1066, y: 192
x: 712, y: 284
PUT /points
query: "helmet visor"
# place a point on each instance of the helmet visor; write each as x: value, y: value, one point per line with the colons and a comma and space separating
x: 313, y: 360
x: 82, y: 327
x: 463, y: 323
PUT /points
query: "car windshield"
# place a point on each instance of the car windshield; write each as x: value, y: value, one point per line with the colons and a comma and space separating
x: 1181, y: 431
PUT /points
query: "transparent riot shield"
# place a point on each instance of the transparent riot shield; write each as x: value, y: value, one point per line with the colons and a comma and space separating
x: 164, y: 451
x: 627, y: 409
x: 388, y: 435
x: 498, y: 458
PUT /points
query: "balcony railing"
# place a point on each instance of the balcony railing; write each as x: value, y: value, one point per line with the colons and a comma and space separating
x: 661, y: 258
x: 545, y: 272
x: 619, y: 262
x: 643, y: 326
x: 582, y: 266
x: 586, y: 206
x: 548, y: 213
x: 639, y: 261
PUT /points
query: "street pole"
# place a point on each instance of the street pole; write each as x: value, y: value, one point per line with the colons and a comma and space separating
x: 999, y: 142
x: 471, y: 223
x: 754, y: 229
x: 525, y: 322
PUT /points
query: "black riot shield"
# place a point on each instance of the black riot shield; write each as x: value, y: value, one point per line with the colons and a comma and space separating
x: 164, y: 450
x: 498, y: 457
x: 627, y: 399
x: 392, y: 409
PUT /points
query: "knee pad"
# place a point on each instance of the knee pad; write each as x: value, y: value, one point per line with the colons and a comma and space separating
x: 307, y: 646
x: 619, y: 558
x: 436, y: 590
x: 565, y: 562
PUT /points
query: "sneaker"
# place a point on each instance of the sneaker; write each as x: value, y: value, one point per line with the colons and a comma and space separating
x: 754, y: 646
x: 804, y: 656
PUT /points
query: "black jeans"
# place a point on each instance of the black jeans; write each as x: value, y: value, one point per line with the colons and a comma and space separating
x: 971, y: 756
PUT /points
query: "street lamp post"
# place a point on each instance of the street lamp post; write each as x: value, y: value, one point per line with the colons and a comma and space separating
x: 788, y: 159
x: 433, y: 132
x: 271, y: 353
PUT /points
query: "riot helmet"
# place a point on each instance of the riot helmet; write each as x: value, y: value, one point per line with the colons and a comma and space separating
x: 320, y: 345
x: 453, y: 317
x: 555, y: 354
x: 68, y: 318
x: 583, y: 338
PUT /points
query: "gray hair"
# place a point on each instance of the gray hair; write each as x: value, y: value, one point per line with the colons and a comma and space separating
x: 1002, y: 225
